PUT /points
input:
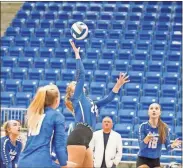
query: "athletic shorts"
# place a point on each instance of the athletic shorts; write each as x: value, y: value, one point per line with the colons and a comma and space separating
x: 148, y: 161
x: 81, y: 135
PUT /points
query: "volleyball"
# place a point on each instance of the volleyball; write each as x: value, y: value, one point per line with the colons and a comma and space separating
x: 79, y: 30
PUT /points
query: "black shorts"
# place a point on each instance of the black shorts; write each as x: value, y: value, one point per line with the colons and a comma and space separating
x: 81, y: 135
x: 148, y: 161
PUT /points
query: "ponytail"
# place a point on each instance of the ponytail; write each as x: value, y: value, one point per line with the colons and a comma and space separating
x: 36, y: 108
x: 6, y: 126
x: 68, y: 96
x: 162, y: 130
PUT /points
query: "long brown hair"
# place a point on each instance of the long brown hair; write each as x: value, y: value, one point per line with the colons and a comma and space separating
x: 162, y: 130
x: 69, y: 93
x: 45, y: 96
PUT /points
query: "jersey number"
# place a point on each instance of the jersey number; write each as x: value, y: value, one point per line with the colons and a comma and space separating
x: 153, y: 143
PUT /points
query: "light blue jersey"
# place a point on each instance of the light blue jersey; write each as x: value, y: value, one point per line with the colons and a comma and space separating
x: 153, y: 148
x: 37, y: 152
x: 9, y: 152
x: 85, y: 109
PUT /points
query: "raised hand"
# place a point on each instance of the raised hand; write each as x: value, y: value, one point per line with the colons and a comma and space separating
x: 176, y: 143
x: 120, y: 82
x: 122, y: 79
x: 76, y: 50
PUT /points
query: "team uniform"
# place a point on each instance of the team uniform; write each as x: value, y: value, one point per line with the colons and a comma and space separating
x: 50, y: 131
x: 150, y: 153
x: 9, y: 152
x: 85, y: 109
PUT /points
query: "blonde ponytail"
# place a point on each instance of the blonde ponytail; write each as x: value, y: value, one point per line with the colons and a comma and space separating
x: 44, y: 97
x: 36, y: 108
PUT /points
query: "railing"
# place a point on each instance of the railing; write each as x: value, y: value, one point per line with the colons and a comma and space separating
x: 19, y: 114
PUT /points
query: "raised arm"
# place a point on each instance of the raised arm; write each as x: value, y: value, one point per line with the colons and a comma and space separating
x: 170, y: 146
x: 80, y: 74
x: 120, y: 82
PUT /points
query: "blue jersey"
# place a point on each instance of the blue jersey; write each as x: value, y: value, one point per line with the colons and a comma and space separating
x: 9, y: 152
x: 85, y: 109
x: 50, y: 131
x: 153, y: 148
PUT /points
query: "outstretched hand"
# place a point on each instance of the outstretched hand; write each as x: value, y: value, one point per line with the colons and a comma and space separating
x: 120, y: 82
x: 123, y: 78
x: 76, y: 50
x: 176, y: 143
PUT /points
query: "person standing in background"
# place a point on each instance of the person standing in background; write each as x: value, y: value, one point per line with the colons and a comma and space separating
x: 106, y: 145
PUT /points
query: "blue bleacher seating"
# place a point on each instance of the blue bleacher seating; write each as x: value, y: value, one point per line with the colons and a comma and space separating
x: 5, y: 73
x: 35, y: 74
x: 7, y: 41
x: 40, y: 62
x: 12, y: 85
x: 169, y: 90
x: 25, y: 62
x: 9, y: 61
x: 125, y: 130
x: 105, y: 64
x: 46, y: 52
x: 60, y: 24
x: 46, y: 23
x: 57, y: 63
x: 146, y: 101
x: 41, y: 32
x: 126, y: 116
x: 29, y: 86
x: 4, y: 51
x: 132, y: 89
x: 168, y: 103
x: 101, y: 76
x: 121, y: 65
x: 142, y: 116
x: 137, y: 65
x: 52, y: 74
x: 31, y: 51
x: 153, y: 78
x: 136, y: 77
x: 32, y: 23
x: 12, y: 31
x: 37, y: 14
x: 97, y: 88
x: 19, y: 73
x: 7, y: 98
x: 53, y: 6
x: 68, y: 75
x: 157, y: 55
x: 16, y: 51
x: 117, y: 25
x: 168, y: 117
x: 154, y: 66
x: 170, y: 78
x: 129, y: 102
x: 56, y: 33
x: 45, y: 82
x: 151, y: 90
x: 89, y: 64
x: 22, y: 99
x: 21, y: 41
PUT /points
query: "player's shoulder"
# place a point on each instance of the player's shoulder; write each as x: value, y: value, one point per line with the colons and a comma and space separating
x: 4, y: 139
